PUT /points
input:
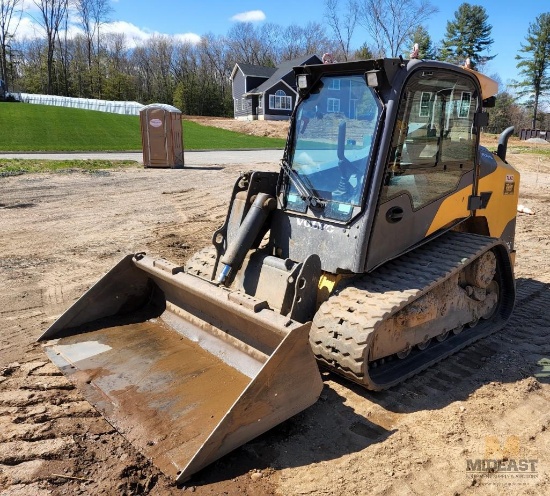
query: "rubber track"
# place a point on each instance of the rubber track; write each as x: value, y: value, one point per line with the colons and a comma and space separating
x: 346, y: 323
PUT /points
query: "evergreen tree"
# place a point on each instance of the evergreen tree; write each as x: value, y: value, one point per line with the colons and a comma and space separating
x: 503, y: 113
x: 426, y: 50
x: 467, y: 36
x: 363, y: 53
x: 534, y: 63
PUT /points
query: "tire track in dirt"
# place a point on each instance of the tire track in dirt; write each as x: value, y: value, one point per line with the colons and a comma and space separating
x: 50, y: 437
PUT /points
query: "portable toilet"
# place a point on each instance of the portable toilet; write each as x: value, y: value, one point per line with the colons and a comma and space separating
x: 162, y: 136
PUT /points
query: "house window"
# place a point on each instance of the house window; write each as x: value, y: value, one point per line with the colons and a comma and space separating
x: 236, y: 104
x: 243, y: 104
x: 464, y: 108
x: 260, y: 102
x: 279, y: 101
x: 333, y: 104
x: 334, y: 84
x: 425, y: 104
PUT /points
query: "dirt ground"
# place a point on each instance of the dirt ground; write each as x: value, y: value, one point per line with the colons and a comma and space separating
x: 60, y: 232
x: 271, y: 129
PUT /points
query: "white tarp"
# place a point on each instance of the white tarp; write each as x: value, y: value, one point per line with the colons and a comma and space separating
x: 114, y: 107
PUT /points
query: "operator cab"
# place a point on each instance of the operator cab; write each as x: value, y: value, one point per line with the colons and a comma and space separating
x: 375, y: 148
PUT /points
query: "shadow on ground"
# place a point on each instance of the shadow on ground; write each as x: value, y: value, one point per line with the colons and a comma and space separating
x: 333, y: 428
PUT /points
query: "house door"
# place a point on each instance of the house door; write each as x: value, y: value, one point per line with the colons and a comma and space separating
x: 352, y: 109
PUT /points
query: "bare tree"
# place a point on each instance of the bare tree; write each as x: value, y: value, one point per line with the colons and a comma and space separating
x: 186, y: 67
x: 119, y: 76
x: 52, y: 13
x: 7, y: 10
x: 298, y: 41
x: 292, y: 45
x: 215, y: 70
x: 64, y: 56
x: 316, y: 40
x: 155, y: 60
x: 342, y: 23
x: 100, y: 10
x: 79, y: 67
x: 31, y: 66
x: 247, y: 44
x: 391, y: 22
x: 214, y: 54
x: 91, y: 15
x: 83, y: 8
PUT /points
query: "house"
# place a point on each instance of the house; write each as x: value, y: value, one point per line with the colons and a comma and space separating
x: 341, y: 100
x: 266, y: 92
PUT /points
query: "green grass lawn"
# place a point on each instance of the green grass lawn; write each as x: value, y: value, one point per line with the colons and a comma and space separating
x: 543, y: 150
x: 16, y: 167
x: 28, y: 127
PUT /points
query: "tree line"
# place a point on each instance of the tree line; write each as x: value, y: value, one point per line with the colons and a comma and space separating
x: 195, y: 77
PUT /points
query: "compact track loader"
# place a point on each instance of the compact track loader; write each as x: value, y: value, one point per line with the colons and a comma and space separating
x: 384, y: 244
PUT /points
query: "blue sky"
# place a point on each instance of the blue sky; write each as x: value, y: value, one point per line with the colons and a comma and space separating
x: 191, y: 19
x: 509, y: 18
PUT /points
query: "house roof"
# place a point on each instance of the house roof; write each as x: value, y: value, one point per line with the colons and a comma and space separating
x: 283, y: 70
x: 253, y: 70
x: 265, y: 87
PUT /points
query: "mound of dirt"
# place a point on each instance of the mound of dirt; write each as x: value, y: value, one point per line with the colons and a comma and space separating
x: 271, y: 129
x: 539, y: 141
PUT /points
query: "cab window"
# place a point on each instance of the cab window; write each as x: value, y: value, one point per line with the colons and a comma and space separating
x: 433, y: 142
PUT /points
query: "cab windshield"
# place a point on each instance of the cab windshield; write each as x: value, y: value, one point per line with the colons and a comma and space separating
x: 333, y: 141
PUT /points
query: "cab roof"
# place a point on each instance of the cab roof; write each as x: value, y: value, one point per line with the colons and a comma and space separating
x: 391, y: 66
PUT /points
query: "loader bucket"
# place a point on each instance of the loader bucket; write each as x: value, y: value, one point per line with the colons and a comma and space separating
x: 187, y: 371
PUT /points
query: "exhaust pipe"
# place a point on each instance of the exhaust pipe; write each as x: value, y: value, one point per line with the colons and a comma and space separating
x: 503, y: 142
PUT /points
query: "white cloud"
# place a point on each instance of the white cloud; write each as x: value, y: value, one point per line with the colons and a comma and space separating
x: 29, y: 29
x: 129, y: 29
x: 250, y: 16
x: 188, y: 38
x: 136, y: 35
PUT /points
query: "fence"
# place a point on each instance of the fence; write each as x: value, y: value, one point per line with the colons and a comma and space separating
x: 525, y: 134
x: 114, y: 107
